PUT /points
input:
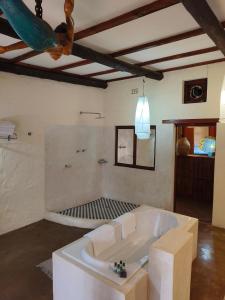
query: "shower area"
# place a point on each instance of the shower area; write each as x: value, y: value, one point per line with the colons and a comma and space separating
x: 75, y: 170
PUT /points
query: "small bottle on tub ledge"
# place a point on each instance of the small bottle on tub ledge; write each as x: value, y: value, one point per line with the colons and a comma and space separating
x: 120, y: 269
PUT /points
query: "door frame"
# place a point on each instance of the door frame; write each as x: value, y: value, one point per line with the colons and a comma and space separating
x: 187, y: 122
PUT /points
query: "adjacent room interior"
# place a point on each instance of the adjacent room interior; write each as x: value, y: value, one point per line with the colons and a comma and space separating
x: 194, y: 171
x: 112, y: 150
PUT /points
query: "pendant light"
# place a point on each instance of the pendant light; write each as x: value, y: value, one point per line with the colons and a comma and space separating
x: 142, y: 117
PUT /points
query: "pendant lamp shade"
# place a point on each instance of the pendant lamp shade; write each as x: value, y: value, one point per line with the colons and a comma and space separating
x: 142, y: 119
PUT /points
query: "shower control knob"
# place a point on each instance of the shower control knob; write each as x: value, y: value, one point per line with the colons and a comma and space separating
x: 68, y: 166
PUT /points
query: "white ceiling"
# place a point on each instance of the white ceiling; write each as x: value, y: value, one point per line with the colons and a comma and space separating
x: 90, y: 68
x: 87, y: 12
x: 149, y: 28
x: 44, y: 60
x: 189, y: 60
x: 191, y: 44
x: 4, y: 41
x: 161, y: 24
x: 114, y: 75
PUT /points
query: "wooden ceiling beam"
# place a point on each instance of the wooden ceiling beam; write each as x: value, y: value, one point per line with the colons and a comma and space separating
x: 122, y: 19
x: 20, y: 69
x: 127, y: 17
x: 205, y: 17
x: 160, y: 42
x: 122, y: 78
x: 203, y: 63
x: 109, y: 61
x: 156, y: 43
x: 74, y: 65
x: 179, y: 56
x: 160, y: 60
x: 104, y: 59
x: 209, y: 62
x: 24, y: 56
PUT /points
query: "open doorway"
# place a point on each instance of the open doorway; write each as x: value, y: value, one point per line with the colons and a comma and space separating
x: 194, y: 170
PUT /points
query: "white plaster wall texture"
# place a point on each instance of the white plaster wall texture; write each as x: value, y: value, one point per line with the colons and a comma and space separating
x: 222, y: 103
x: 81, y: 183
x: 21, y: 181
x: 34, y: 105
x: 156, y: 188
x: 219, y: 186
x: 141, y: 186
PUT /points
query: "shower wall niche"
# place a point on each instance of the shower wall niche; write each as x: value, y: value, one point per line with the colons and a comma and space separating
x: 73, y: 175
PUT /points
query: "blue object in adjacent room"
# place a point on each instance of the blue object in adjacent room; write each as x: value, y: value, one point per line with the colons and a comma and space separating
x: 209, y: 146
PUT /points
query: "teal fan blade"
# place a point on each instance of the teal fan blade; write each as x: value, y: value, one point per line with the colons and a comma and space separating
x: 35, y: 32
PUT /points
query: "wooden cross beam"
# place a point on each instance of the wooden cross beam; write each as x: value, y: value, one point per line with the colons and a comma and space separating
x: 132, y: 15
x: 205, y: 17
x: 95, y: 56
x: 109, y: 61
x: 52, y: 75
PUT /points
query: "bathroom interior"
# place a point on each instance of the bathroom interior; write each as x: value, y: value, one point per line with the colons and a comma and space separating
x: 112, y: 160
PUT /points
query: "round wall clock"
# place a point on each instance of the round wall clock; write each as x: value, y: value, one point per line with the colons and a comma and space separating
x: 195, y: 91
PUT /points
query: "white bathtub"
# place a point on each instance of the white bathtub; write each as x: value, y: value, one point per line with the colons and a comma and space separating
x: 150, y: 235
x: 150, y: 225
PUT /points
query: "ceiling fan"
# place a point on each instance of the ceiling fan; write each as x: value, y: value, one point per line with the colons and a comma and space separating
x: 37, y: 33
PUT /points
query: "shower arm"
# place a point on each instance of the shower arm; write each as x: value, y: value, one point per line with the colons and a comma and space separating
x: 92, y: 113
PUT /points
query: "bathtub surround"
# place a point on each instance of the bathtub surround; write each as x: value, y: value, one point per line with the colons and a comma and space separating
x: 45, y: 237
x: 170, y: 240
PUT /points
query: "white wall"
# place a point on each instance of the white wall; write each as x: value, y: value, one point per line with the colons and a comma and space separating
x: 219, y: 186
x: 156, y: 188
x: 81, y: 182
x: 141, y: 186
x: 34, y: 105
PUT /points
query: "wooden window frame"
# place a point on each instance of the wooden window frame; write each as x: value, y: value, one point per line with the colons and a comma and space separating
x: 134, y: 165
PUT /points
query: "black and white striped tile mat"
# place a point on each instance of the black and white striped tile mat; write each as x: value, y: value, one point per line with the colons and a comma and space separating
x: 102, y: 208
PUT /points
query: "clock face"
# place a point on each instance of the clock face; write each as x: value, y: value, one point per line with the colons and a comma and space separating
x: 195, y: 91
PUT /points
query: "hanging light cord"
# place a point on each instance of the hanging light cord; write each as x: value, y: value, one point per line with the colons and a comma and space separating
x: 39, y: 9
x: 143, y: 87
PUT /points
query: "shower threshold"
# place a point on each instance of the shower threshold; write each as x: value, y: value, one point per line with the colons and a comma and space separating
x: 92, y: 214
